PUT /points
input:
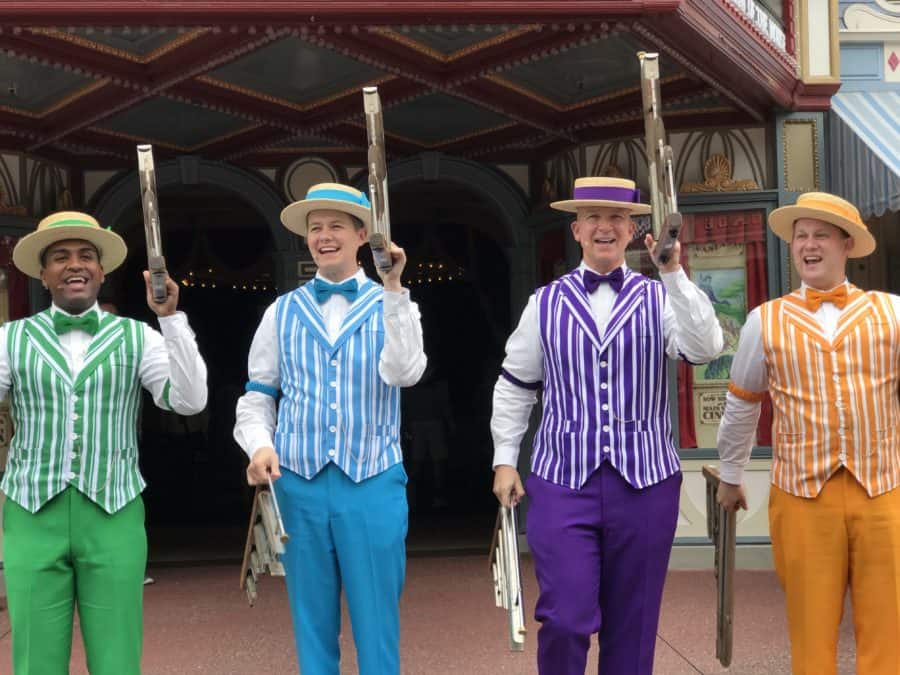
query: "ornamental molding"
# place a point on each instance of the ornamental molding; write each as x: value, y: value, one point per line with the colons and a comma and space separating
x: 865, y: 19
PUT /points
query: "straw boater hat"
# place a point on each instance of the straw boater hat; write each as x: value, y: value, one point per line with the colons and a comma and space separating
x: 326, y: 196
x: 68, y: 225
x: 829, y: 208
x: 600, y: 191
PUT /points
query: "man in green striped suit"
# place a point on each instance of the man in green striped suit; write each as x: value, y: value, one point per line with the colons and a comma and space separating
x: 73, y: 520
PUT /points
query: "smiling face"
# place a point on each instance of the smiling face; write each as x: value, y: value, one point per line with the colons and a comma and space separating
x: 604, y: 233
x: 71, y: 271
x: 333, y: 239
x: 820, y: 251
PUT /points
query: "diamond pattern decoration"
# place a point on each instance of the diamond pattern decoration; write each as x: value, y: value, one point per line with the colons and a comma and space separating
x: 894, y: 61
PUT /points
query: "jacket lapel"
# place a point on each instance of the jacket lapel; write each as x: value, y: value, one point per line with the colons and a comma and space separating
x: 370, y: 294
x: 109, y: 336
x: 311, y: 314
x: 40, y: 333
x: 576, y: 300
x: 634, y: 290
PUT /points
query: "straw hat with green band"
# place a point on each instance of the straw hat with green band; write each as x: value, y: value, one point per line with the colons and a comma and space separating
x: 68, y: 225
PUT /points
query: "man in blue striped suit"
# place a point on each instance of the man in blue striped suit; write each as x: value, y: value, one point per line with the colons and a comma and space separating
x: 321, y: 414
x: 605, y: 476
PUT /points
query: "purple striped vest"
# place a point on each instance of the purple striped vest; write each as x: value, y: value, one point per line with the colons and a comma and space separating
x: 605, y: 396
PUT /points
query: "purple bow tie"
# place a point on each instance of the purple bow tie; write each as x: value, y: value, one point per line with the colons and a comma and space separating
x: 615, y: 279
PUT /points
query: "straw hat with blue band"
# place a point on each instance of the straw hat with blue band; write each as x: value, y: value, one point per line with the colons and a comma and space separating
x: 330, y: 197
x: 830, y: 209
x: 601, y: 191
x: 68, y: 225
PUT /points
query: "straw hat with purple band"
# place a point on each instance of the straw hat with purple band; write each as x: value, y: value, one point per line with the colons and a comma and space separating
x: 829, y: 208
x: 68, y: 225
x: 599, y: 191
x: 326, y: 196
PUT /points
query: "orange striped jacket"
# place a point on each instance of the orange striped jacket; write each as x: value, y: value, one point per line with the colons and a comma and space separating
x: 835, y: 402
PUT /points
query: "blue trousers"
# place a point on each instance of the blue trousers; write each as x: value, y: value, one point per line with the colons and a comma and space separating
x: 350, y: 535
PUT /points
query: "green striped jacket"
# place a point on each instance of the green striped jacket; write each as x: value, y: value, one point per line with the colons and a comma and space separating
x: 78, y: 431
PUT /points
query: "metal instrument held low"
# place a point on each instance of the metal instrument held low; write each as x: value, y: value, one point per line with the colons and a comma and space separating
x: 664, y: 216
x: 266, y: 538
x: 721, y: 527
x: 156, y: 263
x: 507, y: 574
x: 380, y: 232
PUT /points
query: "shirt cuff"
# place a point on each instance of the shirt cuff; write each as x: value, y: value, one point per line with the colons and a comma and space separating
x: 506, y: 454
x: 674, y: 282
x: 257, y: 440
x: 175, y: 325
x: 393, y: 302
x: 730, y: 472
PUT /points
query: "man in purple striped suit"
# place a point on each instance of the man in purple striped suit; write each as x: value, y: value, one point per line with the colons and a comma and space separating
x: 605, y: 477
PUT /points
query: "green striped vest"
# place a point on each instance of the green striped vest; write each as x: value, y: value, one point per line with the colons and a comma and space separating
x: 82, y: 431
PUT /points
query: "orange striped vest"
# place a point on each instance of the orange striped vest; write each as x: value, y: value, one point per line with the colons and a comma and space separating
x: 835, y: 401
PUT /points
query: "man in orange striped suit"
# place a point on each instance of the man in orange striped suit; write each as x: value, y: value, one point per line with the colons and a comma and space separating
x: 829, y: 355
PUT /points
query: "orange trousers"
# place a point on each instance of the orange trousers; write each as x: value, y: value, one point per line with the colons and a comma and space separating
x: 821, y: 546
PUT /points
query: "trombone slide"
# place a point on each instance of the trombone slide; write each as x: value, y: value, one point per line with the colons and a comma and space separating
x: 265, y: 542
x: 721, y: 525
x: 507, y: 574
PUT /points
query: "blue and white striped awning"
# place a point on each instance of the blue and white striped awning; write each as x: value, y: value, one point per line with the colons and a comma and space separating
x: 865, y: 150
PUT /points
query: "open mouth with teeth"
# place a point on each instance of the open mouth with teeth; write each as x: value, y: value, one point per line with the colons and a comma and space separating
x: 605, y: 241
x: 812, y: 259
x: 325, y: 250
x: 76, y: 283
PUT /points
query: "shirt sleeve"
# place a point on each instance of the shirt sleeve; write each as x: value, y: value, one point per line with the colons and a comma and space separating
x: 5, y: 370
x: 746, y: 391
x: 256, y: 413
x: 403, y: 357
x: 516, y: 390
x: 691, y: 328
x: 172, y: 369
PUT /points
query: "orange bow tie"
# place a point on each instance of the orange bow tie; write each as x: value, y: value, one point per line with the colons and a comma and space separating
x: 837, y: 297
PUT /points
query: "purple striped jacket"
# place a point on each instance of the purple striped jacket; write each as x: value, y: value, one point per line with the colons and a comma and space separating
x: 605, y: 396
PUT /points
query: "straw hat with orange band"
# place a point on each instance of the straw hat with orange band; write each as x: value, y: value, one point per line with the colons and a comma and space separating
x: 830, y: 209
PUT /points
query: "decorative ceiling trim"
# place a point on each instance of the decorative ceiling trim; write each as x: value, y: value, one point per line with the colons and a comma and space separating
x: 421, y: 48
x: 299, y: 107
x: 173, y: 146
x: 123, y: 54
x: 620, y: 93
x: 62, y: 103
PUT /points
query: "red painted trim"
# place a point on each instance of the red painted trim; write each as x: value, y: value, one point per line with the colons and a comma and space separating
x: 814, y: 97
x: 288, y: 12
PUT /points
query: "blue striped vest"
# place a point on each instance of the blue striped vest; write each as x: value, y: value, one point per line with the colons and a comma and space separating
x: 605, y: 396
x: 334, y: 405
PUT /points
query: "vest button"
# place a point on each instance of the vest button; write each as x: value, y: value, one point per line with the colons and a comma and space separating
x: 332, y: 428
x: 605, y: 406
x: 333, y: 406
x: 334, y: 362
x: 603, y: 364
x: 603, y: 385
x: 605, y: 448
x: 605, y: 427
x: 331, y: 453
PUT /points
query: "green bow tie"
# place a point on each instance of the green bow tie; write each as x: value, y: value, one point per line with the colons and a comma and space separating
x: 63, y: 323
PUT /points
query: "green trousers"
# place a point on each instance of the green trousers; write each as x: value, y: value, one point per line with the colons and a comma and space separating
x: 70, y: 553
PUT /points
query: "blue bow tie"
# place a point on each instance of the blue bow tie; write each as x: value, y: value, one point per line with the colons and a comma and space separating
x: 615, y: 279
x: 324, y: 290
x: 63, y: 323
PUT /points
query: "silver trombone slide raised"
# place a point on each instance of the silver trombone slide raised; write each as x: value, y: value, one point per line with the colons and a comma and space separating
x: 265, y: 541
x: 721, y: 525
x: 156, y: 262
x: 380, y: 232
x: 664, y: 216
x: 507, y: 573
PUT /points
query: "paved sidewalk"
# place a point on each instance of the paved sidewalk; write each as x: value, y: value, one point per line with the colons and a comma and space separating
x: 196, y: 621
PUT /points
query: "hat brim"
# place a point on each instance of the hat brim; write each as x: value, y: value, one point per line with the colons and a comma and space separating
x: 781, y: 221
x: 572, y: 205
x: 27, y: 253
x: 293, y: 216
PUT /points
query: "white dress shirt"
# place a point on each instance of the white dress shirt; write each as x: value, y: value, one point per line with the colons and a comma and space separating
x: 401, y: 364
x: 171, y: 356
x: 737, y: 430
x: 690, y: 328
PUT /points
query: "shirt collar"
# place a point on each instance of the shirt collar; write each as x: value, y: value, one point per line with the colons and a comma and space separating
x: 804, y: 286
x: 360, y: 277
x: 584, y: 266
x: 95, y: 307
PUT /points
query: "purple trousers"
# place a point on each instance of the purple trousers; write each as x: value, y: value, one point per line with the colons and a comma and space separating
x: 600, y: 556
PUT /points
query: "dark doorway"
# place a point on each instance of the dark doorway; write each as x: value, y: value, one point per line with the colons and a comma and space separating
x: 459, y: 275
x: 220, y: 251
